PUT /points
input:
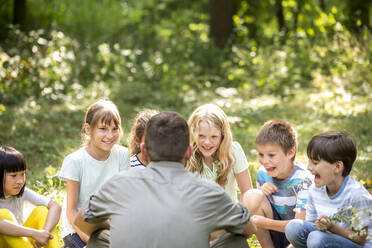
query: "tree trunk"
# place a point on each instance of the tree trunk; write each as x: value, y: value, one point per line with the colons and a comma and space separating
x: 296, y: 14
x: 280, y: 15
x: 322, y: 5
x: 358, y: 10
x: 220, y: 21
x: 19, y: 13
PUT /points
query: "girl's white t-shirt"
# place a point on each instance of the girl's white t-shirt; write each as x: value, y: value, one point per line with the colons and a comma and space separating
x: 17, y: 205
x: 91, y: 174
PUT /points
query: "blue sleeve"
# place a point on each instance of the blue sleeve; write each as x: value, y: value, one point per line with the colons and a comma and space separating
x: 303, y: 194
x: 263, y: 177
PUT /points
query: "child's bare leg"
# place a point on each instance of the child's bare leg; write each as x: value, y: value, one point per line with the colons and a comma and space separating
x: 255, y: 200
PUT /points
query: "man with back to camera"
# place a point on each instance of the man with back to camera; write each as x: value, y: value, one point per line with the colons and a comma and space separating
x: 164, y: 205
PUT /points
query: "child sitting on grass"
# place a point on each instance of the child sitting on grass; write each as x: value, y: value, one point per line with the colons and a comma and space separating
x: 39, y: 230
x: 137, y: 136
x: 331, y: 156
x: 86, y: 169
x: 282, y: 184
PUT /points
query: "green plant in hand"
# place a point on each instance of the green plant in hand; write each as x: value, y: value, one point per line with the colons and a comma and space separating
x: 352, y: 217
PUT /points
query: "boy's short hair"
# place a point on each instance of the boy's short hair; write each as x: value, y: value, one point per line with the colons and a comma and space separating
x: 332, y: 147
x: 167, y: 137
x: 11, y: 160
x: 277, y: 132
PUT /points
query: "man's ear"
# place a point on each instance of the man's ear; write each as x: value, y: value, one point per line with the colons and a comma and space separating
x: 339, y: 165
x: 188, y: 153
x: 144, y: 152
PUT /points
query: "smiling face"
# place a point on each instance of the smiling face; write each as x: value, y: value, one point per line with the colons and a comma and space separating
x: 102, y: 138
x: 13, y: 182
x: 208, y: 141
x: 324, y: 172
x: 277, y: 163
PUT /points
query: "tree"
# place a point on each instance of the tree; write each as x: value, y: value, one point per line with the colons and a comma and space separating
x: 297, y: 12
x: 322, y: 5
x: 358, y: 11
x: 19, y: 13
x: 280, y: 16
x: 221, y: 12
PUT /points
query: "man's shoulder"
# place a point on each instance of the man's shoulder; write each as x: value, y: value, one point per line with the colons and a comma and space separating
x: 205, y: 183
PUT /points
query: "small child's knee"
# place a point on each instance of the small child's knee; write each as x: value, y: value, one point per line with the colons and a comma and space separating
x: 294, y: 224
x: 293, y: 227
x: 40, y: 211
x: 6, y: 214
x: 315, y: 239
x: 254, y: 199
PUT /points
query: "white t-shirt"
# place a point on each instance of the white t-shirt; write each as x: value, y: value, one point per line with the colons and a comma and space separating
x: 17, y: 204
x: 91, y: 174
x: 239, y: 166
x: 351, y: 194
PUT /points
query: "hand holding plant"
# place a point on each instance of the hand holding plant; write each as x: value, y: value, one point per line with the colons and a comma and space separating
x: 323, y: 223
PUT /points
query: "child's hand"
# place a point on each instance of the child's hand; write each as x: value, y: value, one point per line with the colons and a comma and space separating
x: 257, y: 220
x: 41, y: 238
x: 323, y: 223
x: 268, y: 188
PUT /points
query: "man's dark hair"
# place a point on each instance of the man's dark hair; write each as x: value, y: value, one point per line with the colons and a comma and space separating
x: 167, y: 137
x: 333, y: 147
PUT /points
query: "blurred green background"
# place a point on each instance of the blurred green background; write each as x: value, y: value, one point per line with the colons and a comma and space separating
x: 305, y: 61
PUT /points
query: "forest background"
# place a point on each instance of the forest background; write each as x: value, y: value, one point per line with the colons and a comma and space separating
x: 305, y: 61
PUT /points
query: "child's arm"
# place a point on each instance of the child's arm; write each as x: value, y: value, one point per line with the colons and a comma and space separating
x: 240, y: 168
x: 89, y: 228
x: 323, y: 223
x: 249, y: 229
x: 72, y: 190
x: 269, y: 224
x: 53, y: 216
x: 244, y: 181
x: 16, y: 230
x: 276, y: 225
x: 268, y: 188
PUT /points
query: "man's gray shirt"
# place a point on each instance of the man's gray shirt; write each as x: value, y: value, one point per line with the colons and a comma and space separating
x: 163, y: 206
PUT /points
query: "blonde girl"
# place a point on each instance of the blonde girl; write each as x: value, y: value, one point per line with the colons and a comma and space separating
x: 39, y: 228
x: 137, y: 136
x: 88, y: 168
x: 216, y: 157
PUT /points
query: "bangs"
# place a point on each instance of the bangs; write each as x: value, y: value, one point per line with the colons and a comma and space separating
x: 321, y: 149
x: 12, y: 160
x: 15, y: 166
x: 314, y: 152
x: 107, y: 117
